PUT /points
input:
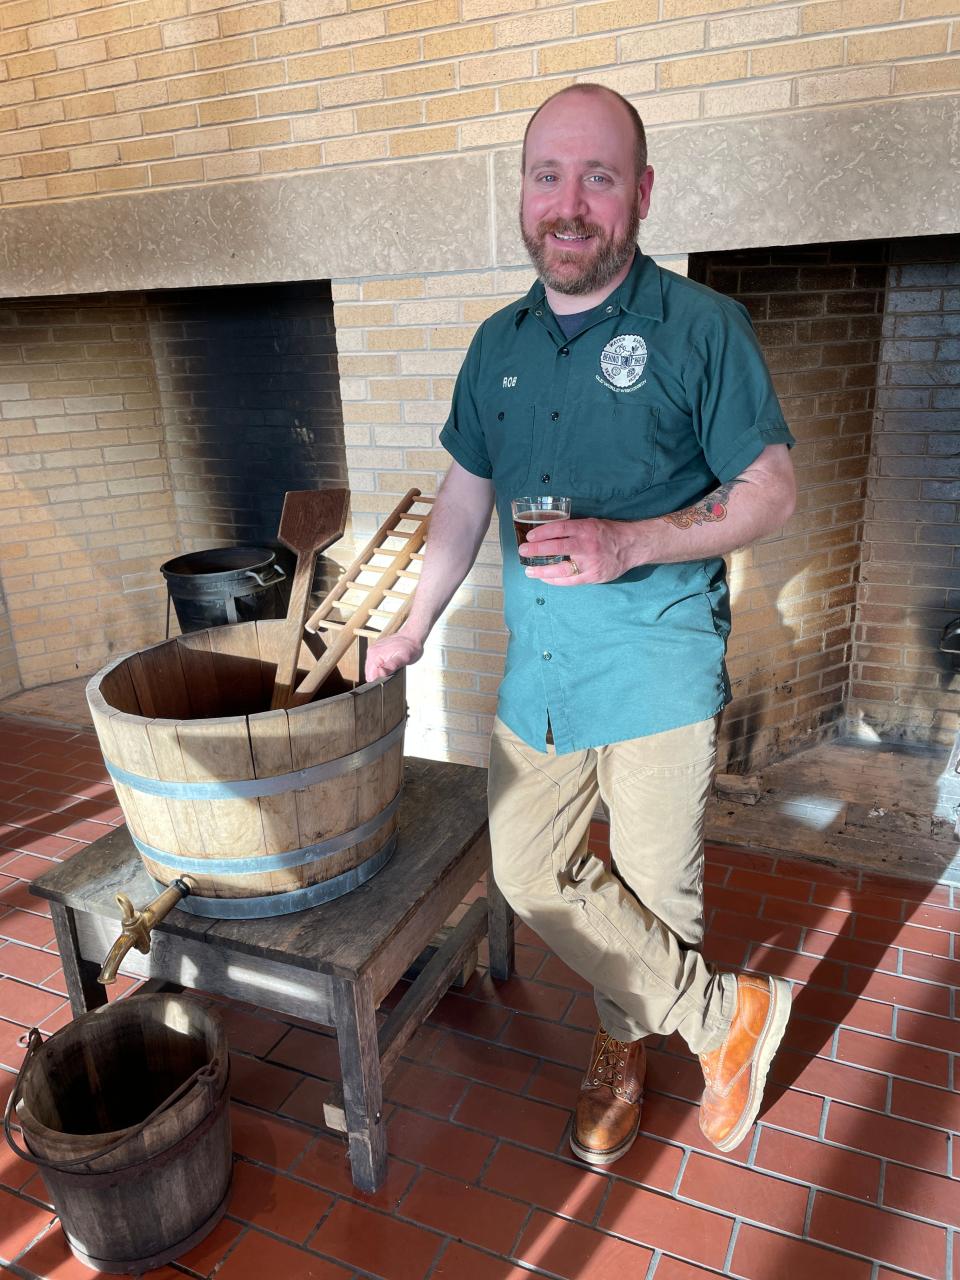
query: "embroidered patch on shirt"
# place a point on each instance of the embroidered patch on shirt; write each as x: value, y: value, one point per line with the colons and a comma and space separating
x: 622, y: 362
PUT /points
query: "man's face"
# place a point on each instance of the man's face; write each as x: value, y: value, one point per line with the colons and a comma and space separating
x: 581, y: 202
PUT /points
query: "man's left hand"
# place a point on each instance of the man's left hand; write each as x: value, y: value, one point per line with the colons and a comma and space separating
x: 596, y: 551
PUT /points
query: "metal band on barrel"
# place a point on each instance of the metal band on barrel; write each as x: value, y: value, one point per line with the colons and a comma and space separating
x: 252, y: 788
x: 285, y: 904
x: 270, y: 861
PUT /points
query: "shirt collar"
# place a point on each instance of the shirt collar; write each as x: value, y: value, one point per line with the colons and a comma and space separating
x: 640, y: 294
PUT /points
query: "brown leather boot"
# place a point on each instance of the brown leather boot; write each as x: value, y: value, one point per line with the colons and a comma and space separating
x: 736, y: 1072
x: 608, y: 1108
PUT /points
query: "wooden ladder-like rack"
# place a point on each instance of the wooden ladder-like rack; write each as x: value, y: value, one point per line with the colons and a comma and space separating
x: 372, y: 597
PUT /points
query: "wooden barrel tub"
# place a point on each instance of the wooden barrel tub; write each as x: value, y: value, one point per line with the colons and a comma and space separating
x: 261, y: 812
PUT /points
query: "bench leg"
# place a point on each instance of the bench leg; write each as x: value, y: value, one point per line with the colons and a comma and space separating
x: 85, y: 992
x: 499, y: 930
x: 362, y: 1082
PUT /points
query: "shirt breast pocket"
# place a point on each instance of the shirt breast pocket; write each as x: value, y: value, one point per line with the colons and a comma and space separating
x: 616, y: 456
x: 509, y: 437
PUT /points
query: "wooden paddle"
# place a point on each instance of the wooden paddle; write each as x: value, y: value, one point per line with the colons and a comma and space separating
x: 310, y: 521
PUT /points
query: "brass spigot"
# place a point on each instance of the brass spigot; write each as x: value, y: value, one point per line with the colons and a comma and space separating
x: 136, y: 925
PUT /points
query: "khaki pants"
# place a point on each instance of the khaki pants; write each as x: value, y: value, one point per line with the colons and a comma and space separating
x: 633, y: 932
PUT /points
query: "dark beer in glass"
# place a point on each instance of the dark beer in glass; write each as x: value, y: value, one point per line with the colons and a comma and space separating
x: 529, y: 512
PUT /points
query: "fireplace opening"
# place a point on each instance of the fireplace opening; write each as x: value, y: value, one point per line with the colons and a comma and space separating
x: 838, y: 619
x: 138, y: 426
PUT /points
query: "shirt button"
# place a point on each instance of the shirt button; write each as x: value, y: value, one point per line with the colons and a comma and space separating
x: 609, y: 311
x: 545, y: 478
x: 538, y: 313
x: 547, y: 655
x: 539, y: 599
x: 554, y: 417
x: 499, y: 417
x: 564, y: 351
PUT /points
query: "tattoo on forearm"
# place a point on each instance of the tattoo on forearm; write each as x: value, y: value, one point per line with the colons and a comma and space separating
x: 707, y: 511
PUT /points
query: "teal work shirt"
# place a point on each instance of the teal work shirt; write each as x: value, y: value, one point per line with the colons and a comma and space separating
x: 661, y: 396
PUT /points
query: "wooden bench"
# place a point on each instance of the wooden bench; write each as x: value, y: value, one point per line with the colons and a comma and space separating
x: 331, y: 964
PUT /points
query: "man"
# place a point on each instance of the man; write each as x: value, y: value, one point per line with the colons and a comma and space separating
x: 644, y: 397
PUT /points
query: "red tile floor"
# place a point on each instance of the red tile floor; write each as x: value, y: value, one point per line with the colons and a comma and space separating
x: 853, y: 1172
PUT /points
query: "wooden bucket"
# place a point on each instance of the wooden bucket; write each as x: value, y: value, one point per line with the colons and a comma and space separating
x: 261, y: 812
x: 125, y: 1111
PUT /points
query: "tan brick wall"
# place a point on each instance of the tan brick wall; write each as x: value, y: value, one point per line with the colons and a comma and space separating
x: 86, y: 512
x: 9, y: 670
x: 401, y: 343
x: 103, y: 97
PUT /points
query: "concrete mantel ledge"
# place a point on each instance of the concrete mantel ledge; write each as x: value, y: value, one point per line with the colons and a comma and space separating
x: 364, y: 220
x: 837, y: 173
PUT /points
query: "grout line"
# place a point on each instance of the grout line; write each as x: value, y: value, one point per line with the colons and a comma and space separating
x: 728, y: 1256
x: 654, y: 1263
x: 808, y: 1214
x: 824, y: 1115
x: 497, y: 1145
x: 602, y: 1203
x: 524, y: 1223
x: 754, y: 1144
x: 245, y: 1228
x: 684, y: 1161
x: 444, y: 1246
x: 52, y: 1218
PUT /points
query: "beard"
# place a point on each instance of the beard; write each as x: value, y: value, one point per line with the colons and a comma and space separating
x: 577, y: 273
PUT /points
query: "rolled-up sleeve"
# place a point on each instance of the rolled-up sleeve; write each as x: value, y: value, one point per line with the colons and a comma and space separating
x: 736, y: 412
x: 462, y: 435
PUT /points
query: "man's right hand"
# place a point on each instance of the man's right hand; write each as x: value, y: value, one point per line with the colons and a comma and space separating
x: 390, y: 654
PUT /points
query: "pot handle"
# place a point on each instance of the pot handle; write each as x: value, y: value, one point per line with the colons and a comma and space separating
x: 203, y: 1075
x: 34, y: 1041
x: 264, y: 581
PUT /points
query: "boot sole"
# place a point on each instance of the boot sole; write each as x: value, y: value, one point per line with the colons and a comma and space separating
x: 768, y: 1043
x: 590, y: 1156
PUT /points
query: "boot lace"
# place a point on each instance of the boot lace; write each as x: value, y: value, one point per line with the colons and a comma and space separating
x: 608, y: 1064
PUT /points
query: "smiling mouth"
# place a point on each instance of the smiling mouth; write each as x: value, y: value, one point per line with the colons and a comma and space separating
x: 569, y: 239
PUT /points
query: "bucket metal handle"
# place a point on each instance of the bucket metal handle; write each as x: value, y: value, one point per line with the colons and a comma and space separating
x: 264, y: 581
x: 203, y: 1075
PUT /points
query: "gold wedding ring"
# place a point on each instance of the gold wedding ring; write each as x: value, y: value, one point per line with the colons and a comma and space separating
x: 575, y: 567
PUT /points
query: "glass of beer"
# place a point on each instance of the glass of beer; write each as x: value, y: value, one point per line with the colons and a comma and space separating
x: 528, y: 512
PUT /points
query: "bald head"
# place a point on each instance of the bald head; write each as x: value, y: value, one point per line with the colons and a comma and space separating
x: 632, y: 120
